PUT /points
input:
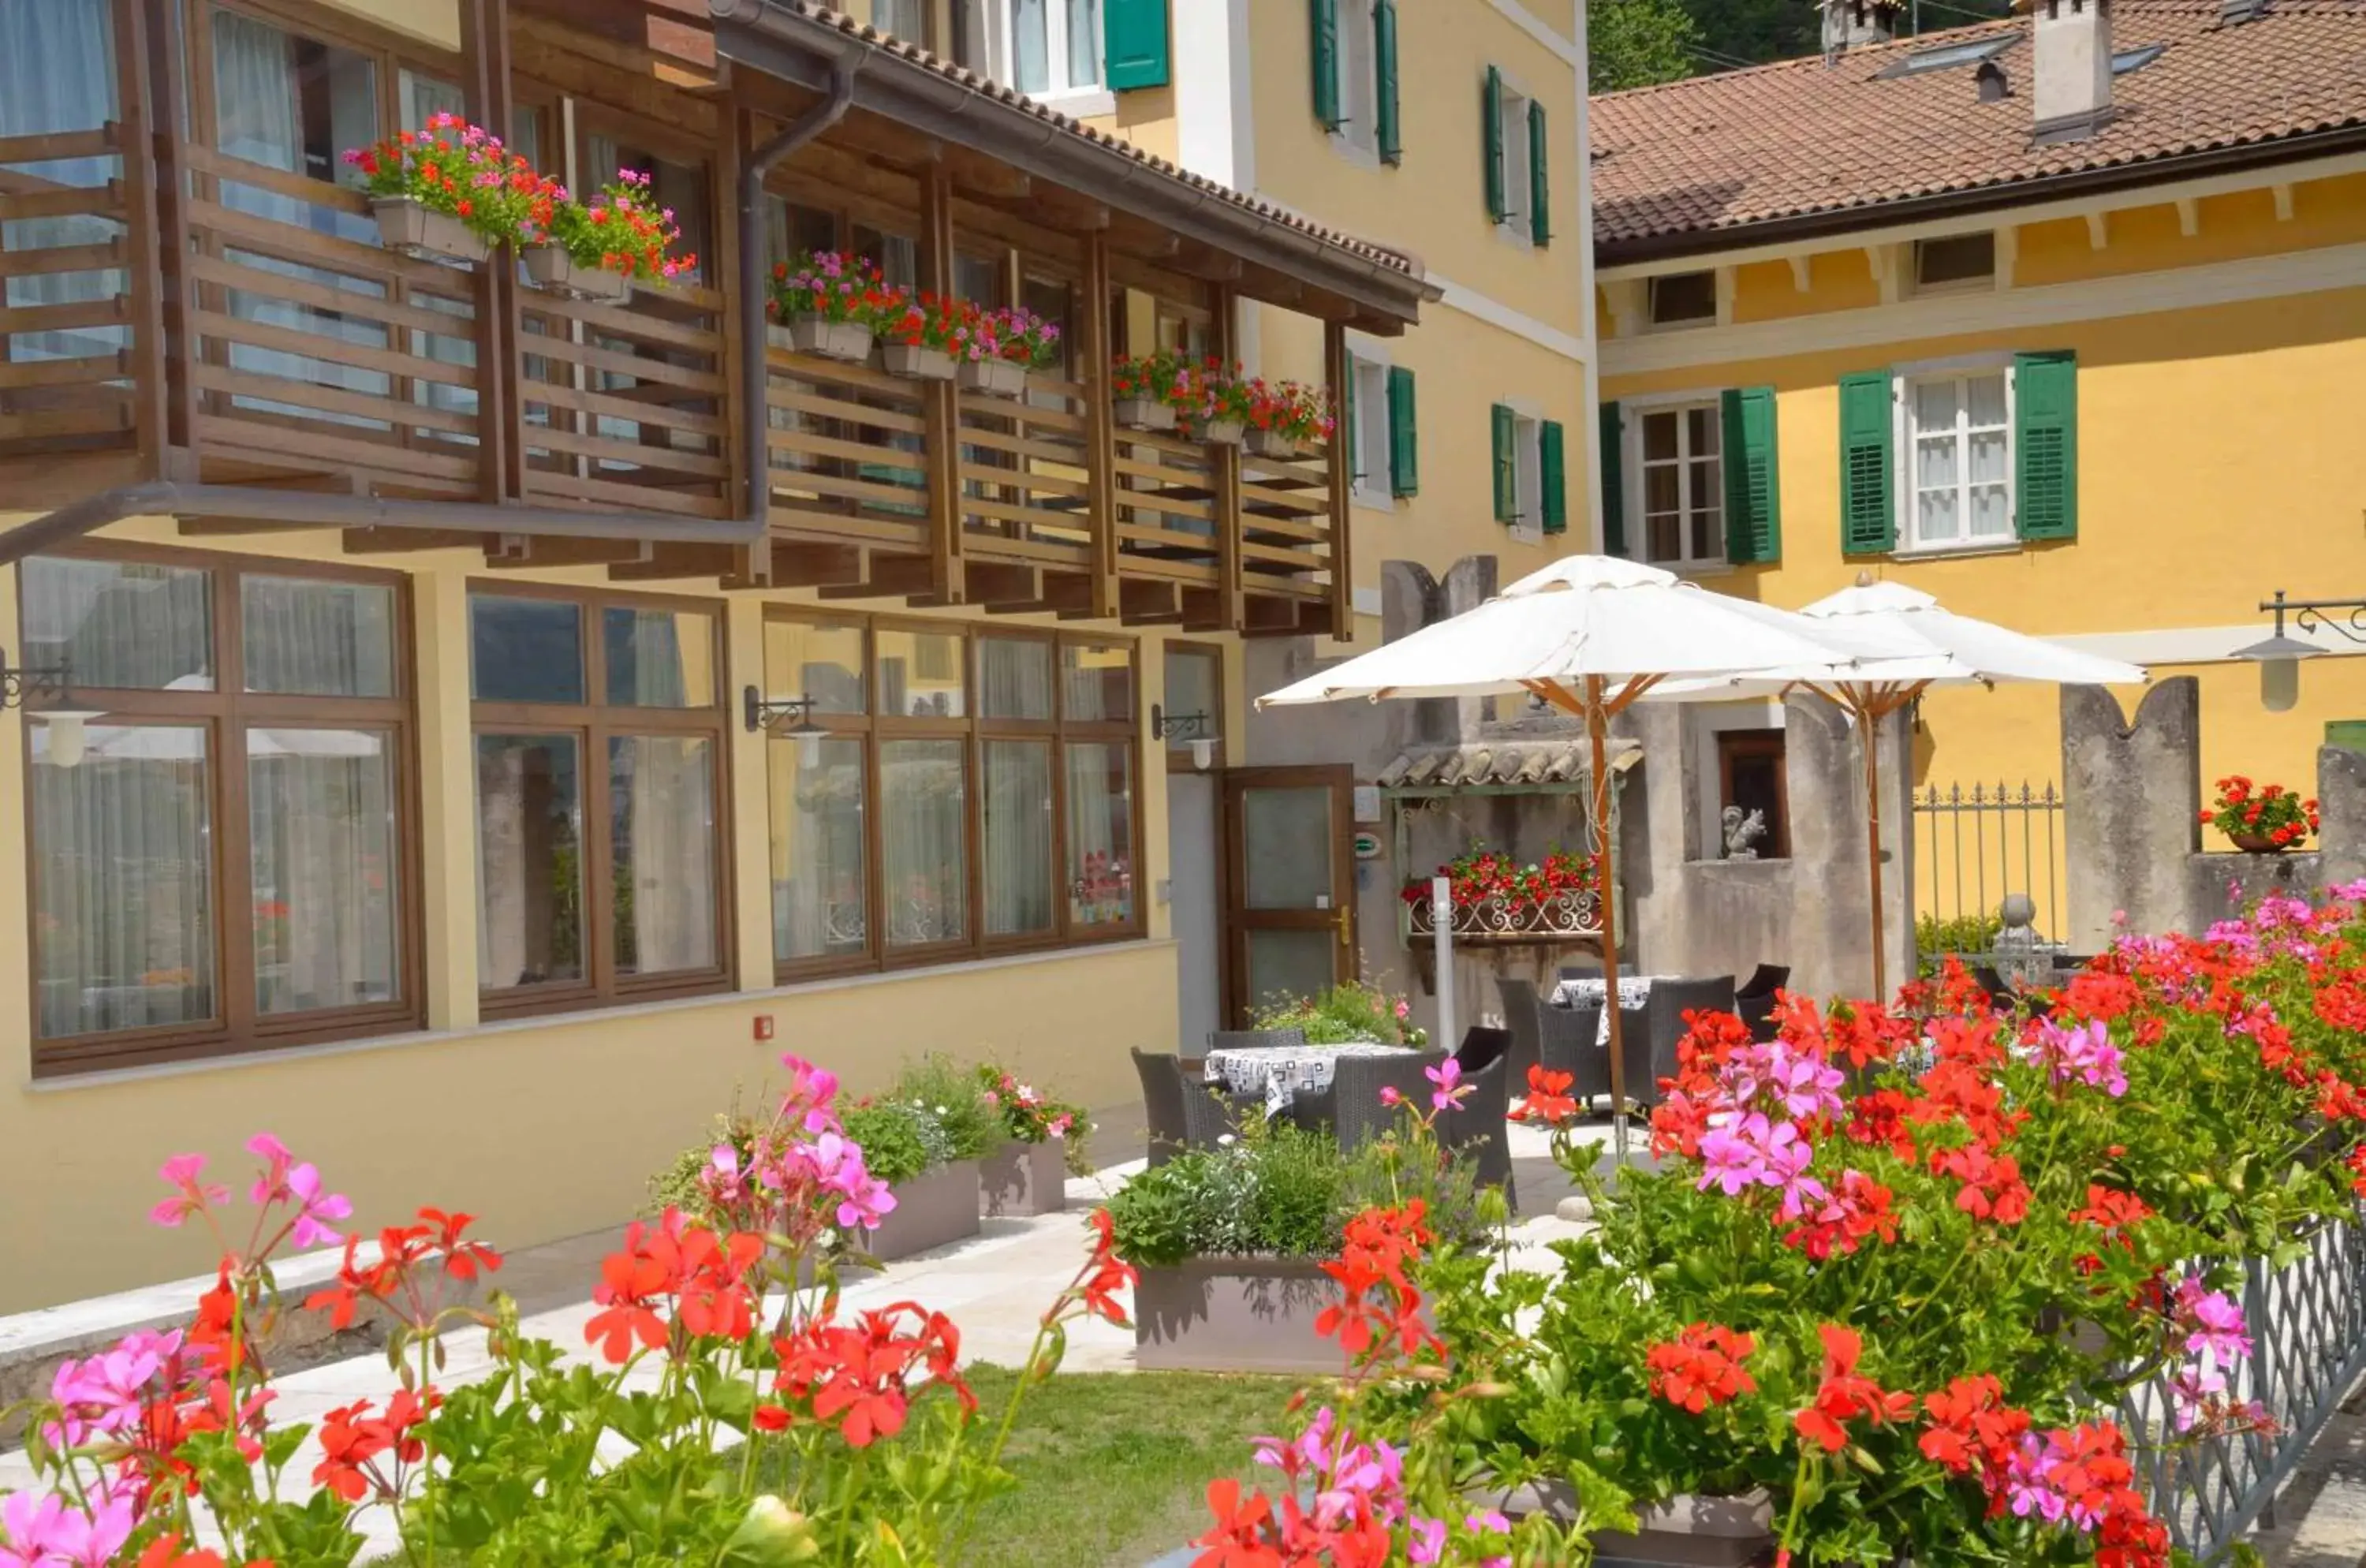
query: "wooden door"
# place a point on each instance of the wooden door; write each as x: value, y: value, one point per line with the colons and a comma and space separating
x: 1290, y: 884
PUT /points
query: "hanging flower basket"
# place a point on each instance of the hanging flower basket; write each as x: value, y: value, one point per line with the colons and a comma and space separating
x: 1275, y: 444
x: 406, y: 225
x: 1223, y: 432
x: 917, y: 362
x: 848, y: 342
x: 553, y: 271
x: 995, y: 377
x: 1141, y: 414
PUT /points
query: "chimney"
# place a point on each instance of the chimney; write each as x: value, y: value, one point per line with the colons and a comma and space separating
x: 1853, y: 24
x: 2071, y: 48
x: 1993, y: 86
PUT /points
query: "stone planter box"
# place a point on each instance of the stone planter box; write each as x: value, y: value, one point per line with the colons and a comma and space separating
x: 404, y: 225
x: 930, y: 1211
x: 915, y: 363
x: 995, y: 377
x: 553, y: 271
x: 849, y: 341
x: 1141, y: 413
x: 1273, y: 444
x: 1235, y: 1315
x: 1024, y: 1179
x: 1224, y: 433
x: 1693, y: 1531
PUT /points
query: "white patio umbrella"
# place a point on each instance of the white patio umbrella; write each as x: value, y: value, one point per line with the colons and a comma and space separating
x: 1590, y: 635
x: 1933, y: 647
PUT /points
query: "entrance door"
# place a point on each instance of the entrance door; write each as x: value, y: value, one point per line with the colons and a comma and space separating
x: 1290, y: 884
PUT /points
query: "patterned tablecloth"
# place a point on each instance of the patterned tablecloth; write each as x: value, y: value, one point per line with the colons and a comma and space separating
x: 1281, y: 1073
x: 1634, y: 990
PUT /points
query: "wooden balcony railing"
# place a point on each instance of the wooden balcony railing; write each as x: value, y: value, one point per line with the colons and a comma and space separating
x: 849, y: 454
x: 65, y: 316
x: 623, y: 405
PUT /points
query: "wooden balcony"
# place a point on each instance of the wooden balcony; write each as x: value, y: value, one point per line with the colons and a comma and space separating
x: 208, y: 321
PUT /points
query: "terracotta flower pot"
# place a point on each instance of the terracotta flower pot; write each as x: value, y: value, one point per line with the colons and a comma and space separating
x: 849, y: 341
x: 1223, y: 432
x: 2256, y: 844
x: 1273, y: 444
x: 996, y: 377
x: 416, y: 231
x: 1143, y: 413
x: 917, y: 363
x: 1024, y: 1179
x: 552, y: 270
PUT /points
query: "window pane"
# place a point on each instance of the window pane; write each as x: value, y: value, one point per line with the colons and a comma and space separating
x: 1193, y: 680
x: 1987, y: 465
x: 1701, y: 431
x: 1680, y: 297
x: 1663, y: 488
x: 423, y: 97
x: 1985, y: 394
x: 120, y: 623
x: 305, y: 636
x: 1030, y: 45
x: 824, y: 663
x: 1938, y: 521
x: 1934, y: 406
x: 1100, y: 681
x: 920, y: 673
x: 1935, y: 459
x: 1014, y: 678
x: 526, y: 651
x: 289, y: 102
x: 1666, y: 536
x: 1991, y: 512
x: 57, y: 74
x: 529, y: 860
x: 1018, y: 837
x: 661, y: 798
x: 1101, y: 834
x: 320, y: 808
x: 1084, y: 43
x: 818, y: 892
x: 659, y: 659
x: 1659, y: 436
x: 122, y: 862
x: 924, y: 841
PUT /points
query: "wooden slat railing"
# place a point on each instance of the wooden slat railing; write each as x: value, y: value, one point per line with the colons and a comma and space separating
x: 623, y: 405
x: 317, y: 349
x: 66, y: 334
x: 1286, y: 525
x: 1025, y: 491
x: 847, y: 459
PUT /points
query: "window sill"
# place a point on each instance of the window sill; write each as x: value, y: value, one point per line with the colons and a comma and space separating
x: 1080, y: 103
x: 1357, y: 152
x: 1374, y: 501
x: 1951, y: 551
x: 1694, y: 571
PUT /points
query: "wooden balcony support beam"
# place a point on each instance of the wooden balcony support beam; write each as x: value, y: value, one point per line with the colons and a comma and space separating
x: 510, y: 551
x: 887, y: 577
x: 801, y: 565
x: 1224, y: 321
x: 1100, y: 427
x: 1342, y: 475
x: 1147, y: 602
x: 485, y: 84
x: 675, y: 557
x: 941, y: 401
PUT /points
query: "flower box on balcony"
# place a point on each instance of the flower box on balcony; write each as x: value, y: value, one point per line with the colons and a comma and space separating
x: 1223, y: 432
x: 1235, y: 1315
x: 995, y: 377
x: 404, y: 225
x: 1024, y: 1179
x: 554, y: 271
x: 848, y: 342
x: 1570, y: 915
x: 1141, y: 414
x: 930, y: 1211
x: 917, y: 362
x: 1275, y: 444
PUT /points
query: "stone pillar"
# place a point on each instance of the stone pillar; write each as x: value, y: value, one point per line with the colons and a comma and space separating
x: 2131, y: 805
x: 1468, y: 584
x: 2341, y: 815
x: 1655, y: 806
x: 1832, y: 922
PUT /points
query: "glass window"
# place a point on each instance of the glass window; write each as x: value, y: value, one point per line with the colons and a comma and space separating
x: 1100, y: 833
x: 526, y: 651
x: 662, y: 659
x: 924, y: 818
x: 529, y: 860
x: 322, y: 821
x: 824, y: 663
x: 1960, y: 433
x: 681, y: 188
x: 1017, y: 810
x: 1683, y: 297
x: 1953, y: 260
x: 290, y: 102
x: 897, y: 256
x: 919, y: 673
x: 820, y: 891
x: 1097, y: 682
x: 311, y: 636
x: 1038, y: 46
x: 1367, y: 432
x: 793, y: 228
x: 424, y: 97
x: 1014, y: 678
x: 56, y: 76
x: 661, y: 801
x: 121, y: 624
x: 908, y: 19
x: 1683, y: 477
x: 1195, y: 685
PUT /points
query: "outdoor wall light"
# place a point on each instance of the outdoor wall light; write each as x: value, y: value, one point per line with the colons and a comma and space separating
x: 1191, y: 726
x: 768, y: 716
x: 17, y: 683
x: 2279, y: 657
x: 67, y: 734
x: 64, y: 730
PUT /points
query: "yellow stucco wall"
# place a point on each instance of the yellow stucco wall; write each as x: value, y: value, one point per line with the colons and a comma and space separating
x: 549, y: 1126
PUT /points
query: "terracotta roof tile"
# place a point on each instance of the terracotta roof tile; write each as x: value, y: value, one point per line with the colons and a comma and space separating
x: 1802, y: 137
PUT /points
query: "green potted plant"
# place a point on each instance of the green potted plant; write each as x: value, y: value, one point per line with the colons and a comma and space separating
x: 1150, y: 391
x: 1017, y: 342
x: 923, y: 336
x: 1043, y: 1143
x: 1284, y: 418
x: 824, y: 303
x: 2264, y: 819
x: 1226, y: 404
x: 597, y: 250
x: 1346, y: 1013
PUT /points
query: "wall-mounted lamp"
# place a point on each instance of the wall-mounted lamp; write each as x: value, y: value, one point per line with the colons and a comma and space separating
x: 2279, y: 657
x: 769, y: 717
x: 18, y: 683
x: 64, y: 731
x: 1191, y: 726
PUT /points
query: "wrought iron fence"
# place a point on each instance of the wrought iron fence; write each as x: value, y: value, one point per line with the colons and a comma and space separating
x: 2308, y: 1325
x: 1974, y: 846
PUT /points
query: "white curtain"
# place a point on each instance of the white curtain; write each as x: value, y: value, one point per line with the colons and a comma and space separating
x: 57, y: 74
x: 664, y: 883
x: 923, y: 800
x: 818, y: 893
x: 321, y: 812
x: 120, y: 623
x: 529, y: 861
x: 1018, y: 837
x: 1101, y: 834
x: 309, y: 637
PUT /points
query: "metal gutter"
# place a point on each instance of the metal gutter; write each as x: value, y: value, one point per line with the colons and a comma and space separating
x: 165, y: 497
x: 1708, y: 243
x: 786, y: 42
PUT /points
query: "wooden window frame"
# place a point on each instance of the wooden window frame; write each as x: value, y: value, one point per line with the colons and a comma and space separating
x: 592, y: 723
x: 974, y: 729
x: 228, y: 713
x: 1179, y: 759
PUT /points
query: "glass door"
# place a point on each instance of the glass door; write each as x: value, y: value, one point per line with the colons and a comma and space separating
x: 1290, y: 883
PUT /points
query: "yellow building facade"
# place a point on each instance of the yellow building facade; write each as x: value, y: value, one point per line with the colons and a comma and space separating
x: 2178, y: 338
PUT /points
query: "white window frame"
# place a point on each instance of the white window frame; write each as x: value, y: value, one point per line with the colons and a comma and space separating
x: 1373, y: 486
x: 992, y: 35
x: 1632, y: 412
x: 1516, y: 228
x: 1910, y: 534
x: 1527, y: 470
x: 1357, y: 62
x: 880, y: 19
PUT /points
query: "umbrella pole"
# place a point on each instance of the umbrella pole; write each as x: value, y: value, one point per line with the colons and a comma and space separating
x: 1597, y: 741
x: 1868, y: 718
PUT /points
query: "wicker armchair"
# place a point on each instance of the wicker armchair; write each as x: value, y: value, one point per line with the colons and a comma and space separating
x: 1755, y: 1001
x: 1571, y: 1041
x: 1483, y: 1046
x: 1183, y: 1114
x: 1352, y: 1104
x: 1255, y: 1039
x: 1665, y: 1027
x: 1475, y: 1130
x: 1520, y: 1004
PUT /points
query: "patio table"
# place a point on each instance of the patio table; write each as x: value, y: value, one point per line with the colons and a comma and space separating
x: 1281, y: 1073
x: 1634, y: 990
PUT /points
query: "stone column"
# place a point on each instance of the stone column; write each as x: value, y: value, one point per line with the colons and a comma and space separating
x: 2341, y: 815
x: 2131, y: 805
x: 1831, y: 920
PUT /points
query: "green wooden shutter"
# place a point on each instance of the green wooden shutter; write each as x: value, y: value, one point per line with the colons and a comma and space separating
x: 2046, y: 445
x: 1555, y: 464
x: 1868, y: 505
x: 1539, y: 196
x: 1492, y: 114
x: 1384, y: 46
x: 1135, y: 34
x: 1753, y: 487
x: 1323, y: 18
x: 1404, y: 438
x: 1507, y: 469
x: 1614, y: 482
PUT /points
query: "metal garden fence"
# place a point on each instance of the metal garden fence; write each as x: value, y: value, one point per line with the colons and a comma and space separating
x: 1973, y: 846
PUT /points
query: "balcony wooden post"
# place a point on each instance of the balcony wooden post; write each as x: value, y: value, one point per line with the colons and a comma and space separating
x: 1100, y: 427
x: 143, y: 252
x: 485, y: 67
x: 1341, y: 471
x: 1230, y: 523
x: 941, y: 401
x: 154, y: 47
x: 751, y: 565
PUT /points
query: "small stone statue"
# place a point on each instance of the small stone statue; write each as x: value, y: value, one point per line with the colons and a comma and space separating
x: 1741, y: 831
